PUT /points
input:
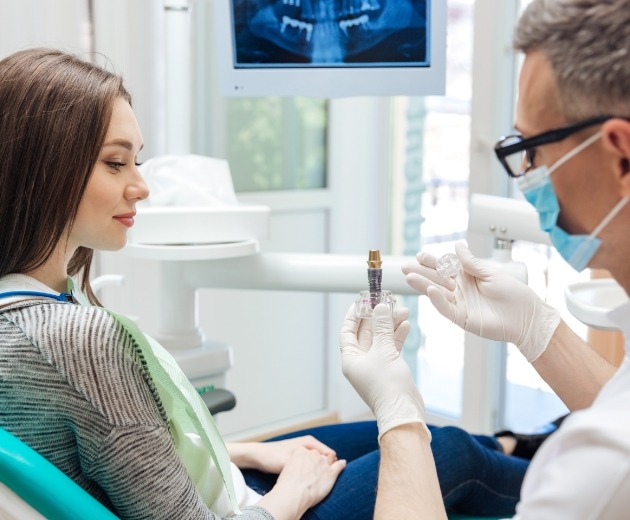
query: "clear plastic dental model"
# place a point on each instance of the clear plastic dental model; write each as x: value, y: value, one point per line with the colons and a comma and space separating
x: 448, y: 265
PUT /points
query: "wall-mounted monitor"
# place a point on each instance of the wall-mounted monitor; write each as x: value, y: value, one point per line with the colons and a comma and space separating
x: 331, y: 48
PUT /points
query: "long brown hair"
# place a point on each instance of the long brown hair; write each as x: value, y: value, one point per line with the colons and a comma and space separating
x: 55, y: 108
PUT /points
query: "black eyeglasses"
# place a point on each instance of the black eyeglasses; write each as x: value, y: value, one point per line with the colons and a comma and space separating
x: 516, y: 154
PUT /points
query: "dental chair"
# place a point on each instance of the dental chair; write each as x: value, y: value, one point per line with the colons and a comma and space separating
x: 32, y: 488
x: 39, y: 483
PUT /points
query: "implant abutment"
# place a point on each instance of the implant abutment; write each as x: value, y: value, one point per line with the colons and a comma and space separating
x: 374, y: 259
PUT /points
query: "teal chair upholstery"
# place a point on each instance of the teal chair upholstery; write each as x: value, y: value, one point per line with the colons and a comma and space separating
x: 44, y: 487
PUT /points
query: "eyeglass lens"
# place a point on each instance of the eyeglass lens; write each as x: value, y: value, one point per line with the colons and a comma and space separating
x: 516, y: 162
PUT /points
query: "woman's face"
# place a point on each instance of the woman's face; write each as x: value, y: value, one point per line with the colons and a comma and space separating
x: 107, y: 208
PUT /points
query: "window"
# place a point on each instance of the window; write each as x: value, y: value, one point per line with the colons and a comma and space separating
x: 431, y: 181
x: 276, y: 143
x: 431, y: 169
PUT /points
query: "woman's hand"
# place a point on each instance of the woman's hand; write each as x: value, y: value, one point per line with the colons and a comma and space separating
x: 272, y: 457
x: 306, y: 478
x: 311, y: 474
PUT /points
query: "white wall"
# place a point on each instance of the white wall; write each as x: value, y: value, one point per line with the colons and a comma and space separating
x: 131, y: 34
x: 51, y: 23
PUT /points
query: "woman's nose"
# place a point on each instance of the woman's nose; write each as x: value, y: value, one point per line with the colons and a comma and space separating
x: 138, y: 188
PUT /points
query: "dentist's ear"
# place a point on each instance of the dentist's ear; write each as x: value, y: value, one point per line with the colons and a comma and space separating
x: 625, y: 178
x: 616, y: 138
x: 625, y: 181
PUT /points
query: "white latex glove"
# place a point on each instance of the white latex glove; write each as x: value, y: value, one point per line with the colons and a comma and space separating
x: 371, y: 361
x: 487, y: 301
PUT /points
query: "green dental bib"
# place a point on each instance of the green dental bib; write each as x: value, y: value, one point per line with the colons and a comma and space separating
x: 192, y: 427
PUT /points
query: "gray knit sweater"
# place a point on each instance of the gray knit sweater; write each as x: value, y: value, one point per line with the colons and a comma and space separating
x: 73, y: 387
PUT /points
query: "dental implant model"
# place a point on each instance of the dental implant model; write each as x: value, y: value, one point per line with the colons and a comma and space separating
x: 375, y: 273
x: 367, y: 300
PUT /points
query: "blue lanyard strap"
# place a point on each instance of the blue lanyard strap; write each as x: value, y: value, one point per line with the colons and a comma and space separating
x: 63, y: 297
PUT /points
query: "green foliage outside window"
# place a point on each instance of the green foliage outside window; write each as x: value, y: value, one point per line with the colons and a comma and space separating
x: 277, y: 143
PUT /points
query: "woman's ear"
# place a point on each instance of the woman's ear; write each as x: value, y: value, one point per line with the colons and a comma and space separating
x: 616, y: 134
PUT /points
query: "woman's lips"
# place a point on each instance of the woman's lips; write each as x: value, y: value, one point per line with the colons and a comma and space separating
x: 125, y: 220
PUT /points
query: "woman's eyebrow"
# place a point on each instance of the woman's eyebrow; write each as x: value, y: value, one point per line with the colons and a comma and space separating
x: 122, y: 142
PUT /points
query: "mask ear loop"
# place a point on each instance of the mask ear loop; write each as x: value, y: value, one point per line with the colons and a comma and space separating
x: 575, y: 151
x: 605, y: 221
x: 613, y: 213
x: 538, y: 175
x: 618, y: 207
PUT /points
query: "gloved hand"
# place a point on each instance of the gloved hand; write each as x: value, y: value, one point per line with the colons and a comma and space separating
x: 371, y: 361
x: 487, y: 301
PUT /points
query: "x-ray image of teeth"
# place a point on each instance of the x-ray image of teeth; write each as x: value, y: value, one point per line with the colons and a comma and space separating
x: 284, y: 33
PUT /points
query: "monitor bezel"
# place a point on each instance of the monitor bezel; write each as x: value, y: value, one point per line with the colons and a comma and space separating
x: 333, y: 81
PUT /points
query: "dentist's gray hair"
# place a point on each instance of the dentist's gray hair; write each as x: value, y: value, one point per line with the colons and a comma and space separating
x: 588, y: 45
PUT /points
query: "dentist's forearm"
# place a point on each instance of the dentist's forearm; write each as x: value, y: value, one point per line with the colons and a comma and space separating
x: 408, y: 486
x: 573, y: 369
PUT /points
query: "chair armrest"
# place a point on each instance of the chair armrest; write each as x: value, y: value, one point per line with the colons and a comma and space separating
x: 219, y: 400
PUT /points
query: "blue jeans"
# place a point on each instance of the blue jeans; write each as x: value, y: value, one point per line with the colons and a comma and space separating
x: 475, y: 476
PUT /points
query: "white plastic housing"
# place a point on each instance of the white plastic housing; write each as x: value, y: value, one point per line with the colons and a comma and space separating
x: 505, y: 218
x: 182, y: 225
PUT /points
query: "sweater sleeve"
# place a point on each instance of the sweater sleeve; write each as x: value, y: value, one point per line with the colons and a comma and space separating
x: 139, y: 471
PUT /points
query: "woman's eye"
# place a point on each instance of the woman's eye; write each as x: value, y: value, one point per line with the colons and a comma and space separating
x: 115, y: 165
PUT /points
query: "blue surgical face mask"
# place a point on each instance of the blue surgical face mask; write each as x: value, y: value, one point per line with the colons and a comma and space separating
x: 577, y: 250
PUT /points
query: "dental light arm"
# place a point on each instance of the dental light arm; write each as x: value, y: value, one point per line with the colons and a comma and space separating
x: 505, y: 220
x: 295, y: 272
